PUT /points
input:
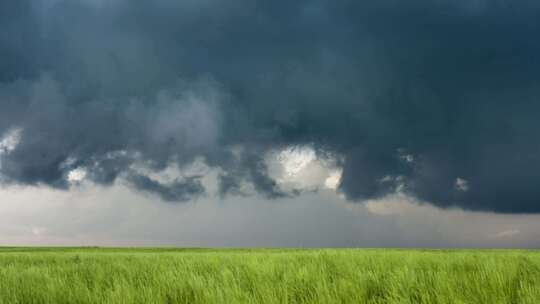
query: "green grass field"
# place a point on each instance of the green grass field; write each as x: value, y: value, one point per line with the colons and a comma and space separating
x: 92, y: 275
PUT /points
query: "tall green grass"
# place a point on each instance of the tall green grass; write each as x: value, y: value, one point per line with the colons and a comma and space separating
x: 48, y: 275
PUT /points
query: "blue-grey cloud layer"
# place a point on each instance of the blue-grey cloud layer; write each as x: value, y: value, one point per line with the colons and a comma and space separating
x: 454, y: 84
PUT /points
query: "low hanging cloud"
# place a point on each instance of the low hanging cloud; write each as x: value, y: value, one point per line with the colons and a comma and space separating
x: 435, y: 99
x: 177, y: 191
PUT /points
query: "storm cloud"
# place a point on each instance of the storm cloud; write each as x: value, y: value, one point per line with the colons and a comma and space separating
x: 435, y: 99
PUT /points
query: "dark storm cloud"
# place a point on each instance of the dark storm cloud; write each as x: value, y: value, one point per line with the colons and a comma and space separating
x: 436, y: 98
x: 18, y: 42
x: 177, y: 191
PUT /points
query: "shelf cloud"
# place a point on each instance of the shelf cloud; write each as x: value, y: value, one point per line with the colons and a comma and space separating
x: 438, y: 100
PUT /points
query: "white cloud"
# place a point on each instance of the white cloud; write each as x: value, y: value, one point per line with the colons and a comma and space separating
x: 333, y: 179
x: 295, y: 159
x: 300, y: 168
x: 462, y: 184
x: 10, y: 140
x: 76, y: 175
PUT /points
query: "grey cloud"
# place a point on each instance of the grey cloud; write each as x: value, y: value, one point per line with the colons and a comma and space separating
x: 116, y: 216
x: 180, y: 190
x: 250, y: 166
x: 452, y: 83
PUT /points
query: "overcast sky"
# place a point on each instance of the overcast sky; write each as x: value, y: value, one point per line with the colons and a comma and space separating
x: 270, y: 123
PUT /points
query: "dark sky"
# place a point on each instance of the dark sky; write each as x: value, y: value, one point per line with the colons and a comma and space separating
x: 437, y: 100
